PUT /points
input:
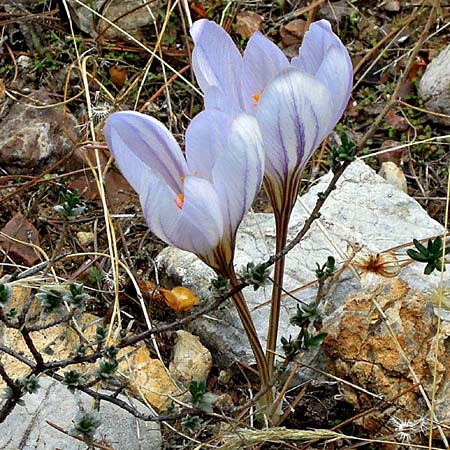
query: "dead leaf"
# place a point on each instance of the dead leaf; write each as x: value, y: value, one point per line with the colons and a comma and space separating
x: 151, y: 294
x: 118, y: 75
x: 395, y: 120
x: 198, y: 9
x: 292, y: 33
x: 2, y: 88
x: 19, y: 228
x: 247, y: 22
x: 179, y: 298
x: 419, y: 66
x: 118, y: 191
x: 397, y: 156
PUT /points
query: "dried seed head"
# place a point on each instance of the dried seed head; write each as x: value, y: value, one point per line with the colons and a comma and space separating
x: 382, y: 264
x: 405, y: 428
x: 440, y: 297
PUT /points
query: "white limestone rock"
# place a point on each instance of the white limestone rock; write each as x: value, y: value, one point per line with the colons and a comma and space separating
x: 27, y: 428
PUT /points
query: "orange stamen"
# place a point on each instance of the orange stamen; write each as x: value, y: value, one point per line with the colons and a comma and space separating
x: 179, y: 200
x: 256, y: 97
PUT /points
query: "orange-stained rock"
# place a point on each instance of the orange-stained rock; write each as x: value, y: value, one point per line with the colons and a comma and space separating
x: 361, y: 350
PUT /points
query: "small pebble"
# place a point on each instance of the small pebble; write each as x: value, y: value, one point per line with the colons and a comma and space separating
x: 392, y: 6
x: 85, y: 238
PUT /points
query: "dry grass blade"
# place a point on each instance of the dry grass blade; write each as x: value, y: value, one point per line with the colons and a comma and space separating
x: 245, y: 437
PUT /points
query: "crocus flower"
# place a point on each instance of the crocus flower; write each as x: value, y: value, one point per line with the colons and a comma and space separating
x: 297, y: 103
x: 195, y: 202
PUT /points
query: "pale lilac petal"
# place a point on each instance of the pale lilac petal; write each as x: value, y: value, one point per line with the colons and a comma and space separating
x: 206, y: 138
x: 216, y: 99
x: 196, y: 227
x: 336, y: 72
x: 262, y: 61
x: 216, y: 60
x: 238, y: 172
x: 294, y: 116
x: 138, y: 142
x: 323, y: 55
x: 316, y: 42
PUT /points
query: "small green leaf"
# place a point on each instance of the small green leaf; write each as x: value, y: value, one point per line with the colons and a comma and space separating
x: 422, y: 249
x: 436, y: 246
x: 429, y: 268
x: 414, y: 254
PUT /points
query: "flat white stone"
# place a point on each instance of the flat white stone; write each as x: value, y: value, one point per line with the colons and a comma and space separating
x: 26, y: 428
x: 363, y: 210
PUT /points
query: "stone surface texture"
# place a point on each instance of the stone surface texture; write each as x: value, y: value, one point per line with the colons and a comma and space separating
x: 21, y: 229
x: 363, y: 210
x: 191, y: 360
x: 34, y: 138
x: 83, y: 18
x: 434, y: 86
x: 360, y: 350
x: 27, y: 427
x: 132, y: 17
x: 146, y: 377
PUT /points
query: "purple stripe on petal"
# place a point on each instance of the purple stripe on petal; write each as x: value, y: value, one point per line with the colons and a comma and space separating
x: 294, y: 116
x: 148, y: 140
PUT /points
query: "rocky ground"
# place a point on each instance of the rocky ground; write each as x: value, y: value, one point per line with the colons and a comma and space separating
x: 64, y: 67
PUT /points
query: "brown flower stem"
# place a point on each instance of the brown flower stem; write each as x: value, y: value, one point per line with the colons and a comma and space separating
x: 277, y: 290
x: 222, y: 263
x: 252, y: 335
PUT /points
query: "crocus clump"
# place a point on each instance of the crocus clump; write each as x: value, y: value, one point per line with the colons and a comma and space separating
x: 193, y: 202
x: 297, y: 103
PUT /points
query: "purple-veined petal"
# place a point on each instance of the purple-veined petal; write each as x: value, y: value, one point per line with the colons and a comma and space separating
x: 216, y: 60
x: 323, y: 55
x: 238, y: 171
x: 206, y: 138
x: 196, y: 227
x: 262, y: 61
x: 138, y: 141
x: 294, y: 116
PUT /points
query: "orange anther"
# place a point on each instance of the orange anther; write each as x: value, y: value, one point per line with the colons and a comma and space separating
x: 179, y: 200
x: 256, y: 98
